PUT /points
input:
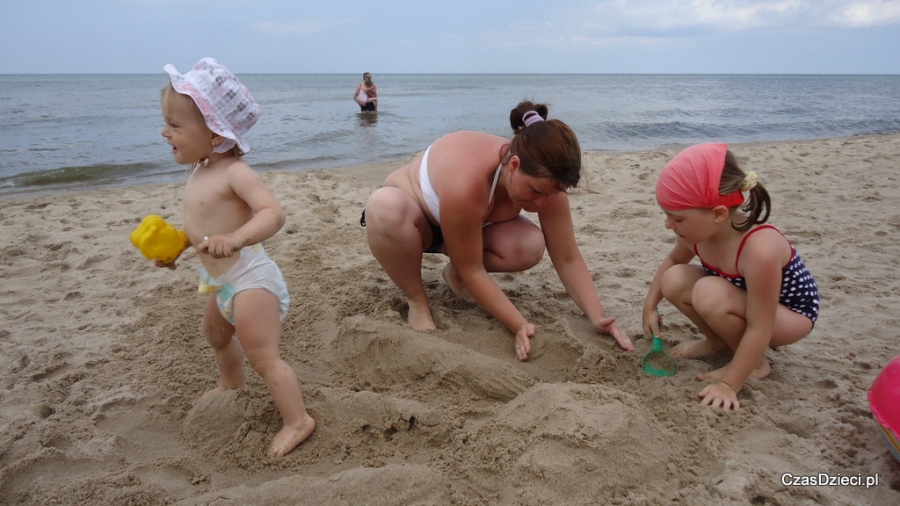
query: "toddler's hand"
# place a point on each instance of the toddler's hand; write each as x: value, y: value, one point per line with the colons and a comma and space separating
x: 170, y: 266
x: 219, y: 246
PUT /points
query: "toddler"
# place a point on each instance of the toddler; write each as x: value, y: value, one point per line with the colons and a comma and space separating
x: 228, y: 212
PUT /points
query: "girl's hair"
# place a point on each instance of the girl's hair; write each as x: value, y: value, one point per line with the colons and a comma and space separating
x: 757, y: 207
x: 548, y: 149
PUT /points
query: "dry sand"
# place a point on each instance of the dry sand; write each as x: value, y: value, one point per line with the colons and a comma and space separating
x: 101, y: 358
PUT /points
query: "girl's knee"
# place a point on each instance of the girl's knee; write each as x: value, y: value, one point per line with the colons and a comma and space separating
x: 676, y: 282
x: 710, y: 295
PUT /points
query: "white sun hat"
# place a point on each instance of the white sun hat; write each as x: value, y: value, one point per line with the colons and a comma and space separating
x: 226, y: 104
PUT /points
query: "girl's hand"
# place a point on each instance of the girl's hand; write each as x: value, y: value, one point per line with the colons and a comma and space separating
x: 604, y: 325
x: 524, y: 333
x: 719, y: 394
x: 652, y: 321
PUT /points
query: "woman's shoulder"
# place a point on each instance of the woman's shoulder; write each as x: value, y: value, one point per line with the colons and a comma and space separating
x: 468, y: 149
x: 472, y: 137
x: 460, y: 162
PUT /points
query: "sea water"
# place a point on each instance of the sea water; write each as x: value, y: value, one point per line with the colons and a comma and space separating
x: 62, y: 132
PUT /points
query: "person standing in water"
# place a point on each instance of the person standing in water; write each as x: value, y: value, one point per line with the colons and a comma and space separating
x: 366, y: 95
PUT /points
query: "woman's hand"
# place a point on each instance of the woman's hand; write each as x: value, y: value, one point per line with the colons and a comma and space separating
x: 604, y: 325
x: 719, y: 394
x: 524, y: 333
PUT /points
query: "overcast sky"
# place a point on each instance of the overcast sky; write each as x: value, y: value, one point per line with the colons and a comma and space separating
x: 459, y: 36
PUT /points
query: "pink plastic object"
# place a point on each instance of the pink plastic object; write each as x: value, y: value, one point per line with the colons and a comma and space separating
x: 884, y: 402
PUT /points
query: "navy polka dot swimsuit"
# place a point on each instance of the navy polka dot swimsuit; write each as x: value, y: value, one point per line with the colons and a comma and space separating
x: 799, y: 291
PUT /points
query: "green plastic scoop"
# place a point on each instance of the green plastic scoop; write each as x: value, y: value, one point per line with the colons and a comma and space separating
x: 656, y: 361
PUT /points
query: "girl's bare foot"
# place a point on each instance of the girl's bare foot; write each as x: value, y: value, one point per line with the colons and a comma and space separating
x: 761, y: 371
x: 700, y: 348
x: 451, y: 277
x: 289, y: 437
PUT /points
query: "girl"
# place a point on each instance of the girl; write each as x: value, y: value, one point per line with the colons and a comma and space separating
x: 751, y: 290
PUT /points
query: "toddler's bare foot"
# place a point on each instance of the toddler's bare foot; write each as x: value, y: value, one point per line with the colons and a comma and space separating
x: 761, y: 371
x: 289, y: 437
x: 212, y: 393
x: 451, y: 277
x: 700, y: 348
x: 420, y: 317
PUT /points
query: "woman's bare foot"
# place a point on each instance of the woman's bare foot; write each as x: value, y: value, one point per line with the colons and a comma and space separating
x: 700, y: 348
x: 451, y: 277
x: 420, y: 317
x: 289, y: 437
x: 760, y: 372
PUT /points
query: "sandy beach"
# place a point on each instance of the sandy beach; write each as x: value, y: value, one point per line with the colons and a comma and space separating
x: 101, y: 357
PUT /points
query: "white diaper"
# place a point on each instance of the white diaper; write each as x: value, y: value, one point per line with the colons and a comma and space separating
x: 254, y: 270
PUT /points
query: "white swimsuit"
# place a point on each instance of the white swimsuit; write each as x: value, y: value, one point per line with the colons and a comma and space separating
x: 431, y: 197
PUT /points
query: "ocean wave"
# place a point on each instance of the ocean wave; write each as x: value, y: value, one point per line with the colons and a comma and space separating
x: 79, y: 174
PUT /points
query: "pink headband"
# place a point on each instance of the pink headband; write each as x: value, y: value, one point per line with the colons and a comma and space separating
x: 691, y: 180
x: 531, y: 117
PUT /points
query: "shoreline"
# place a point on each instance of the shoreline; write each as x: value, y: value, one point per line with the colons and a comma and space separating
x: 48, y: 190
x: 102, y: 356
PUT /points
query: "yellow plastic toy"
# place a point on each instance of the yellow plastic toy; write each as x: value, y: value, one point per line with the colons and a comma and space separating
x: 159, y: 240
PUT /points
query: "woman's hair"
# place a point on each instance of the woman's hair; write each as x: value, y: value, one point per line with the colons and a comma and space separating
x: 758, y: 205
x: 548, y: 149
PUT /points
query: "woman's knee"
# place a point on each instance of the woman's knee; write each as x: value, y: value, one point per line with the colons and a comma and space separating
x: 384, y: 210
x: 533, y: 249
x: 396, y: 226
x: 393, y: 215
x: 513, y: 246
x: 530, y: 250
